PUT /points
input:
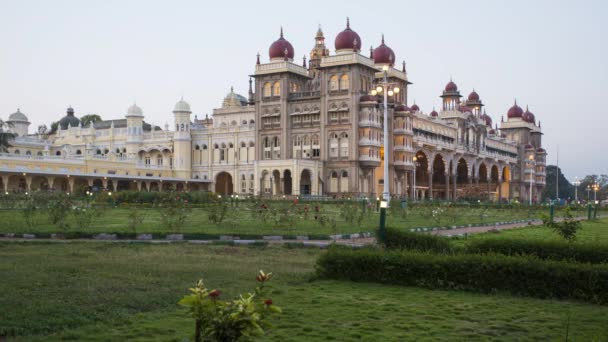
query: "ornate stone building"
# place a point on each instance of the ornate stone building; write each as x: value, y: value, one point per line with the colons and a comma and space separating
x: 305, y: 129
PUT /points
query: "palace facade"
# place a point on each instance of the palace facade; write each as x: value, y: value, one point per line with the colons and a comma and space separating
x: 309, y: 128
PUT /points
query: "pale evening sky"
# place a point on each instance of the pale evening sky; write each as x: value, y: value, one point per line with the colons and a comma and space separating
x: 101, y: 56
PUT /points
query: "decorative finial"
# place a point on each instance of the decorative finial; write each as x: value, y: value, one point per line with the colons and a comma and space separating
x: 516, y: 102
x: 371, y: 52
x: 526, y: 108
x: 232, y: 89
x: 304, y: 61
x: 281, y: 37
x: 347, y: 22
x: 258, y: 59
x: 383, y: 38
x: 403, y: 67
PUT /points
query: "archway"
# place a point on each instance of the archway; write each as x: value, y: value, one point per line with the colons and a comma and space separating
x: 276, y: 182
x: 462, y: 171
x: 81, y: 185
x: 483, y: 178
x: 287, y: 182
x: 305, y: 182
x: 40, y: 183
x: 422, y: 174
x: 439, y: 177
x: 153, y: 186
x: 97, y: 185
x: 494, y: 181
x: 17, y: 183
x: 505, y: 186
x: 333, y: 182
x: 123, y: 185
x: 264, y: 182
x: 223, y: 183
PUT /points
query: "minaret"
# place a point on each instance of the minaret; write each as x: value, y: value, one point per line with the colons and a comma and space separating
x: 135, y: 134
x: 251, y: 100
x: 451, y: 96
x: 182, y: 141
x: 318, y: 51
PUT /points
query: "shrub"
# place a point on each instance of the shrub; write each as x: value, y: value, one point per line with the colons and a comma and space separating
x: 554, y: 250
x: 525, y: 276
x: 237, y: 320
x: 396, y: 239
x: 568, y: 227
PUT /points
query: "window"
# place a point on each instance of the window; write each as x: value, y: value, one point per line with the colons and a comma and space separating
x: 58, y: 153
x: 78, y: 152
x: 267, y: 89
x: 28, y: 153
x: 344, y: 145
x: 333, y: 83
x: 17, y: 152
x: 204, y: 147
x: 147, y: 161
x: 243, y: 183
x: 344, y: 84
x: 197, y: 147
x: 316, y: 149
x: 276, y: 89
x: 333, y: 145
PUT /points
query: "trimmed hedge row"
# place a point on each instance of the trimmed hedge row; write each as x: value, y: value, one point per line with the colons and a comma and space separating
x: 397, y: 239
x: 526, y: 276
x: 553, y: 250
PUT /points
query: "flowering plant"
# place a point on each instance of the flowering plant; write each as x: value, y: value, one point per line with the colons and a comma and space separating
x: 235, y: 320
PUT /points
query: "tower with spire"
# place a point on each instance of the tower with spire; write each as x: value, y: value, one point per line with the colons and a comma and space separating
x: 318, y: 51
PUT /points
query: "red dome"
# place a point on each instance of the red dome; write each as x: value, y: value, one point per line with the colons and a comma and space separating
x: 281, y: 49
x: 451, y: 86
x: 473, y: 96
x: 383, y: 54
x: 415, y: 108
x: 515, y: 111
x: 434, y: 114
x: 402, y: 108
x: 540, y: 150
x: 529, y: 147
x: 528, y: 116
x: 487, y: 119
x: 368, y: 98
x: 348, y: 39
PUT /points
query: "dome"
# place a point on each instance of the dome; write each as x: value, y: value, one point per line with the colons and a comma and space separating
x: 515, y: 111
x: 280, y: 49
x: 18, y: 117
x: 529, y: 147
x: 135, y: 110
x: 182, y: 106
x: 527, y: 116
x: 383, y: 54
x: 402, y: 108
x: 415, y: 108
x: 434, y: 113
x: 69, y: 120
x: 368, y: 98
x: 473, y: 96
x: 488, y: 120
x: 451, y: 86
x: 541, y: 150
x: 234, y: 100
x: 348, y: 39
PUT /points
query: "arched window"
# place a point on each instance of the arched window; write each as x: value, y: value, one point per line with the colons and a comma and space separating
x: 17, y: 152
x: 231, y: 145
x: 333, y: 182
x: 344, y: 84
x: 78, y: 152
x: 197, y: 147
x: 216, y: 146
x: 233, y: 123
x: 243, y: 144
x: 276, y: 89
x: 28, y: 153
x: 333, y: 83
x: 251, y: 122
x: 333, y: 145
x: 244, y: 122
x: 267, y: 89
x: 251, y: 144
x: 39, y: 153
x: 344, y: 145
x: 58, y: 153
x: 159, y: 160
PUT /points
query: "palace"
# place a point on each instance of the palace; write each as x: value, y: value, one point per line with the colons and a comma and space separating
x: 309, y: 128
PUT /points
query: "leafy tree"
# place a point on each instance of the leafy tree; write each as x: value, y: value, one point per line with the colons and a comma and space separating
x: 5, y: 136
x: 54, y: 127
x: 89, y: 118
x: 589, y: 181
x: 566, y: 189
x: 42, y: 129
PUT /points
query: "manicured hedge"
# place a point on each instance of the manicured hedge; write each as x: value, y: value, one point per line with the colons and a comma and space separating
x: 526, y: 276
x: 396, y: 239
x: 555, y: 250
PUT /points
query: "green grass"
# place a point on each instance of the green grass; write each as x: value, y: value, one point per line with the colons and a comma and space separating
x: 99, y: 291
x: 241, y: 221
x: 592, y: 231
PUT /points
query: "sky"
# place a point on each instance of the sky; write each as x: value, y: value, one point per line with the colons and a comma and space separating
x: 102, y: 56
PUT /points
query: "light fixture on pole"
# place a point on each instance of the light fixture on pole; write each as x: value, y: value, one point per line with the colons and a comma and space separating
x: 415, y: 159
x: 596, y: 187
x: 532, y: 165
x: 388, y: 89
x: 588, y: 190
x: 576, y: 184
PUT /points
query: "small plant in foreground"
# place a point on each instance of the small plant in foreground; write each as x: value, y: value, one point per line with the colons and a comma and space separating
x: 236, y: 320
x: 568, y: 227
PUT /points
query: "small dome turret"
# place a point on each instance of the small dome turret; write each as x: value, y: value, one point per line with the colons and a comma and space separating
x: 515, y: 111
x: 69, y: 120
x: 347, y: 40
x: 281, y: 49
x: 135, y: 110
x: 182, y: 106
x: 18, y: 117
x: 383, y: 54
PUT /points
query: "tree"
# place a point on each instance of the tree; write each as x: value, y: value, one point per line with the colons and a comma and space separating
x: 5, y: 136
x: 89, y: 118
x: 566, y: 189
x: 42, y: 129
x: 54, y: 127
x: 589, y: 181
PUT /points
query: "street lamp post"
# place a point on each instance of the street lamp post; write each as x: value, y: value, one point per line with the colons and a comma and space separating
x: 596, y: 187
x: 385, y: 87
x: 415, y: 165
x: 576, y: 184
x: 588, y: 190
x: 532, y: 165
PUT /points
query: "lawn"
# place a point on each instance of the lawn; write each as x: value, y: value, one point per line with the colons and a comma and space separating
x: 592, y: 231
x: 98, y: 291
x: 286, y: 219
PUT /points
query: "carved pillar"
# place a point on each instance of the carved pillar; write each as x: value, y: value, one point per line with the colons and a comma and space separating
x: 71, y: 184
x: 455, y: 182
x: 447, y: 186
x: 430, y: 183
x: 5, y: 183
x: 28, y: 183
x: 51, y: 182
